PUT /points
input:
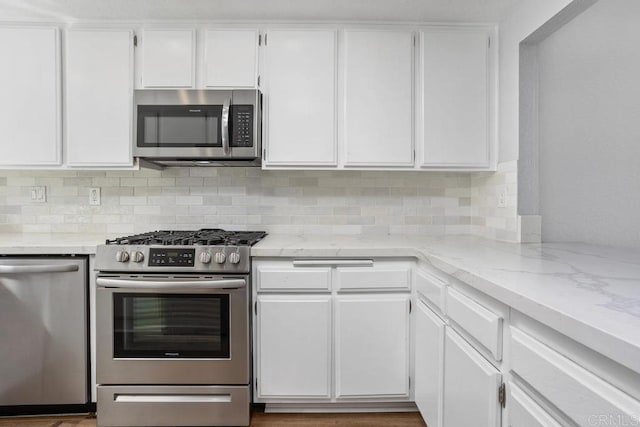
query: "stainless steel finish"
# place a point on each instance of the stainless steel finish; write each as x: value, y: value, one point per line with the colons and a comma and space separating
x: 225, y: 128
x: 122, y: 406
x: 234, y: 370
x: 106, y: 260
x: 122, y: 256
x: 43, y: 332
x: 137, y: 256
x: 201, y: 156
x: 234, y: 257
x: 34, y: 269
x: 333, y: 262
x: 182, y: 285
x: 220, y: 257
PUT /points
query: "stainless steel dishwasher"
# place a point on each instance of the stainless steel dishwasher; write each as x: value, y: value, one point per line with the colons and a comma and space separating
x: 43, y: 331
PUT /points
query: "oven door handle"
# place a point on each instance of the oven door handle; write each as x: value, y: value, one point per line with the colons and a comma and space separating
x: 171, y: 284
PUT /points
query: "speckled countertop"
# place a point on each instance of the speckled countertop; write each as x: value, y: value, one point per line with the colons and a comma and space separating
x: 589, y: 293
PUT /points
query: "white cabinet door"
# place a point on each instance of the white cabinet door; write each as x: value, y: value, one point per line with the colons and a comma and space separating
x: 168, y: 58
x: 378, y: 98
x: 455, y: 99
x: 372, y: 346
x: 230, y: 58
x: 30, y: 102
x: 300, y: 95
x: 99, y: 91
x: 470, y: 386
x: 429, y: 364
x: 294, y: 346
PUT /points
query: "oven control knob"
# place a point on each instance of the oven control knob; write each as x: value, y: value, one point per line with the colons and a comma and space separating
x: 205, y: 257
x: 234, y: 257
x: 220, y: 258
x: 122, y: 256
x: 137, y: 256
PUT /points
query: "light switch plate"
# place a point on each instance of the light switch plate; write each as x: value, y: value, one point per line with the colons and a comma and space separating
x: 38, y: 194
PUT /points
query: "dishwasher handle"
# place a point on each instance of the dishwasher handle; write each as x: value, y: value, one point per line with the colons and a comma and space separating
x: 38, y: 268
x: 171, y: 284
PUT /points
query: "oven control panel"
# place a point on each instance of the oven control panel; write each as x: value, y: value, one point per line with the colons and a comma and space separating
x: 171, y: 257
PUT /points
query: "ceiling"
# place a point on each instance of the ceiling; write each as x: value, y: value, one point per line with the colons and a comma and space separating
x: 316, y: 10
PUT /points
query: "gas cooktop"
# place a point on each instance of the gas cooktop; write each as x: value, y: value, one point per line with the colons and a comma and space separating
x: 205, y: 236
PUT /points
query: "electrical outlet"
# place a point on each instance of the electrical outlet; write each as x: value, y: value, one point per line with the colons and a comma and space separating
x: 38, y: 194
x: 501, y: 195
x: 94, y: 196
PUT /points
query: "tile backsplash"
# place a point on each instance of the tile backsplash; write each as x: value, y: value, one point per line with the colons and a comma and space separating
x: 487, y: 219
x: 303, y: 202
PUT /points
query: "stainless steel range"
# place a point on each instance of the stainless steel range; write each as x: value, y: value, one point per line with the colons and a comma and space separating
x: 172, y: 311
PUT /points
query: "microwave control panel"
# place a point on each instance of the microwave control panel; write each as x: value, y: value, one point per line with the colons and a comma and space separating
x: 241, y: 125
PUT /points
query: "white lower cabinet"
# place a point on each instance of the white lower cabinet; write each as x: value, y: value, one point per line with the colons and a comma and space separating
x: 429, y: 364
x: 372, y: 346
x: 471, y: 386
x: 317, y: 344
x: 294, y: 346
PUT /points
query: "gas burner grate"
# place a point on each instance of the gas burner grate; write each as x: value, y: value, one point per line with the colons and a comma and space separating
x: 205, y: 236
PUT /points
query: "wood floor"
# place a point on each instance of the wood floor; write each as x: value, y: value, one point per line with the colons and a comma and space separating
x: 258, y: 419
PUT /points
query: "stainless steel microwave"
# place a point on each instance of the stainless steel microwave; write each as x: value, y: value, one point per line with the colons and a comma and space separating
x: 198, y: 127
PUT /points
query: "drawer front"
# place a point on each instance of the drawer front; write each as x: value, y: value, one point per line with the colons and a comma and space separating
x: 581, y: 395
x: 293, y: 278
x: 383, y: 276
x: 525, y: 412
x: 122, y: 406
x: 432, y: 289
x: 482, y: 324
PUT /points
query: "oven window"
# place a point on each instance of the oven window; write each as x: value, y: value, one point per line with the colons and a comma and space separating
x: 165, y: 325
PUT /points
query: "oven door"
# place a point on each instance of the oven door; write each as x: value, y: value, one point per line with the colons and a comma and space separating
x: 172, y: 330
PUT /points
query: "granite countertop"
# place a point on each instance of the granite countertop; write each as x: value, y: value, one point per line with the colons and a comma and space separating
x: 589, y: 293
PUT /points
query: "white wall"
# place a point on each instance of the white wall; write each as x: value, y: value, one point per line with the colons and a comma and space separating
x: 589, y: 129
x: 525, y: 18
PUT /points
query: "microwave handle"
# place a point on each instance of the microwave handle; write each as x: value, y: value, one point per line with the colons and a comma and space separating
x: 225, y: 127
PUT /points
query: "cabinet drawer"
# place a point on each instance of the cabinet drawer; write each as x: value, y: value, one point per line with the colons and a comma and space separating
x: 482, y: 324
x: 431, y: 288
x: 579, y: 394
x: 293, y: 279
x: 387, y: 276
x: 525, y: 412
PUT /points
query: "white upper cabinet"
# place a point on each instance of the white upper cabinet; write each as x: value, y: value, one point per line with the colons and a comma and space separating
x: 455, y: 99
x: 378, y: 98
x: 300, y: 97
x: 168, y: 58
x: 98, y: 95
x: 30, y: 133
x: 231, y: 58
